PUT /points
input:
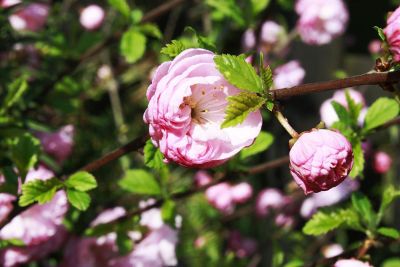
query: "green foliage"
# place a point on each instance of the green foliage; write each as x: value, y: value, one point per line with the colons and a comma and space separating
x: 81, y: 181
x: 294, y: 263
x: 202, y: 41
x: 323, y: 222
x: 227, y: 9
x: 380, y: 32
x: 25, y: 151
x: 240, y: 106
x: 124, y: 243
x: 133, y: 45
x: 381, y: 111
x: 393, y: 262
x: 14, y: 93
x: 266, y: 77
x: 259, y: 5
x: 140, y: 182
x: 122, y: 6
x: 359, y: 160
x: 39, y: 190
x: 78, y: 199
x: 263, y: 141
x: 151, y: 29
x: 239, y: 73
x: 168, y: 212
x: 5, y: 243
x: 153, y: 158
x: 388, y: 196
x: 173, y: 49
x: 389, y: 232
x: 364, y: 208
x: 136, y: 16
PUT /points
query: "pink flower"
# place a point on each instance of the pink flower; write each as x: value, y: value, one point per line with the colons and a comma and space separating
x: 242, y: 246
x: 202, y: 178
x: 374, y: 47
x: 30, y: 18
x: 41, y: 173
x: 284, y: 220
x: 382, y: 162
x: 321, y: 20
x: 320, y: 159
x: 328, y: 198
x: 9, y: 3
x: 332, y: 250
x: 271, y: 32
x: 328, y: 113
x: 187, y: 101
x: 248, y: 40
x: 220, y: 197
x: 288, y: 75
x: 5, y: 205
x: 351, y: 263
x: 92, y: 17
x: 269, y: 199
x: 108, y: 216
x: 241, y: 192
x: 151, y: 218
x: 58, y: 144
x: 392, y: 32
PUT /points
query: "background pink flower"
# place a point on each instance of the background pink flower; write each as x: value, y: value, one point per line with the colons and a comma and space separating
x: 351, y: 263
x: 31, y: 17
x: 60, y: 143
x: 288, y: 75
x: 382, y: 162
x: 392, y: 32
x: 92, y: 17
x: 268, y: 200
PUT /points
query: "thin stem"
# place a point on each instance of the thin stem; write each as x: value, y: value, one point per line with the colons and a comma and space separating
x: 285, y: 123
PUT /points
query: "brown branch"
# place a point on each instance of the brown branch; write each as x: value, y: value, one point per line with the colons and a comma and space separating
x: 160, y: 10
x: 364, y: 79
x: 390, y: 123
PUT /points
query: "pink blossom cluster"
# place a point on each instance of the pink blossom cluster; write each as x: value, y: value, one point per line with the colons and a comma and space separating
x: 288, y: 75
x: 224, y: 196
x: 92, y: 17
x: 272, y: 34
x: 240, y: 245
x: 187, y: 101
x: 39, y: 227
x: 31, y: 17
x: 320, y: 21
x: 328, y: 113
x: 320, y: 159
x: 392, y: 33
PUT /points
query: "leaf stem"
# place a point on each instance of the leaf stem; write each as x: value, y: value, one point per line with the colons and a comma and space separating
x: 285, y: 123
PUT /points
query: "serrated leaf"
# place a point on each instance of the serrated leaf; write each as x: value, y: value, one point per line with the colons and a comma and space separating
x: 239, y: 107
x: 151, y: 29
x: 341, y: 112
x: 173, y: 49
x: 263, y: 141
x: 266, y: 76
x: 239, y: 73
x: 323, y: 222
x: 124, y: 243
x: 381, y: 111
x: 81, y: 181
x: 228, y: 9
x: 153, y: 158
x: 202, y: 41
x: 168, y: 210
x: 354, y: 109
x: 389, y: 232
x: 122, y: 6
x: 41, y: 191
x: 359, y: 160
x: 259, y: 5
x: 78, y: 199
x: 140, y: 182
x: 25, y: 151
x: 133, y: 45
x: 14, y: 93
x: 364, y: 208
x: 380, y: 33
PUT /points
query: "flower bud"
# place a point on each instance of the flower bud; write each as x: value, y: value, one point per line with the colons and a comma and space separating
x: 58, y: 144
x: 374, y: 47
x: 241, y: 192
x: 332, y: 250
x: 351, y: 263
x: 271, y: 32
x: 202, y: 178
x: 248, y: 40
x: 392, y: 32
x: 269, y: 199
x: 320, y: 159
x: 92, y: 17
x: 219, y: 196
x: 382, y: 162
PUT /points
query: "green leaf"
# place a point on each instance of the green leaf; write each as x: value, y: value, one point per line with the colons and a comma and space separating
x: 392, y: 262
x: 124, y: 243
x: 41, y: 191
x: 389, y: 232
x: 81, y: 181
x: 341, y: 112
x: 364, y: 208
x: 323, y: 222
x: 239, y: 73
x: 122, y: 6
x: 359, y: 160
x: 380, y: 33
x: 168, y: 211
x: 78, y: 199
x: 263, y: 141
x: 266, y: 77
x: 354, y: 109
x: 133, y: 45
x: 151, y: 29
x: 295, y: 263
x: 25, y: 151
x: 239, y: 107
x: 388, y: 196
x: 136, y: 16
x: 14, y: 93
x: 381, y: 111
x: 202, y: 41
x: 13, y: 242
x: 153, y: 158
x: 140, y: 182
x: 259, y: 5
x: 173, y: 49
x: 227, y: 9
x: 100, y: 230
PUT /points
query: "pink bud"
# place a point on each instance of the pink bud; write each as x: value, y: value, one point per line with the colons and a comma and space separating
x: 271, y: 32
x: 284, y: 220
x: 202, y: 178
x: 248, y: 40
x: 351, y: 263
x: 58, y: 144
x: 320, y: 159
x: 9, y: 3
x: 382, y: 162
x: 332, y: 250
x: 241, y: 192
x: 220, y: 197
x: 374, y: 47
x: 200, y: 242
x: 92, y: 17
x: 288, y: 75
x: 392, y: 32
x: 30, y: 18
x: 269, y: 199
